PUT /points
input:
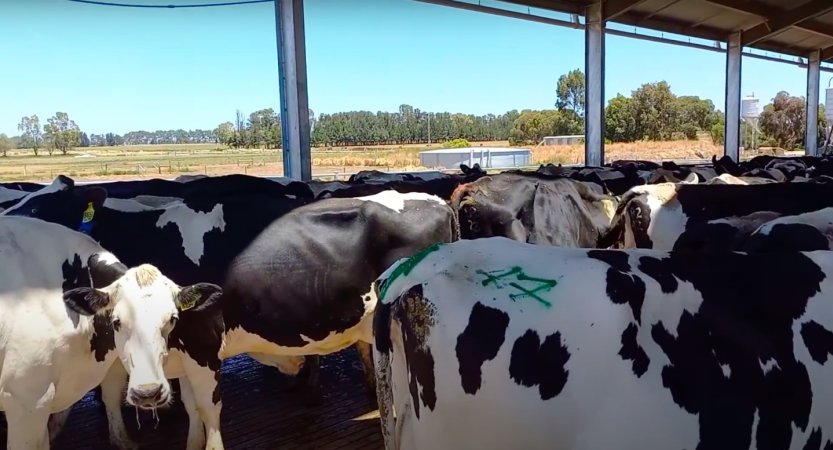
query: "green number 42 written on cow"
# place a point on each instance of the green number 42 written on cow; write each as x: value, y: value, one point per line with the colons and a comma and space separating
x: 515, y: 275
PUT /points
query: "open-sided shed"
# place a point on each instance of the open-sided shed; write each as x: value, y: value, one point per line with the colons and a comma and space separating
x: 798, y: 28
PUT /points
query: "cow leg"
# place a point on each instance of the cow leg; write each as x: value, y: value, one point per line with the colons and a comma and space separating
x: 112, y: 393
x: 312, y: 388
x: 27, y: 427
x: 196, y: 429
x: 366, y: 355
x: 205, y: 385
x: 56, y: 423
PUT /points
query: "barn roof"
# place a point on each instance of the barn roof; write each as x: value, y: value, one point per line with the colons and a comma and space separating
x: 791, y: 27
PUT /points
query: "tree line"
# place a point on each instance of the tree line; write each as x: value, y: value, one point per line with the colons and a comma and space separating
x: 652, y: 112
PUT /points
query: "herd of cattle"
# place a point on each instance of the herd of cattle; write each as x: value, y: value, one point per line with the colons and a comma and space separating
x: 633, y: 306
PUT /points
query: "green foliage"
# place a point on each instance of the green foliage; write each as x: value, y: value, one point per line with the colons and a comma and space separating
x: 717, y: 131
x: 784, y: 121
x: 457, y: 143
x: 408, y: 125
x: 6, y: 144
x: 620, y: 120
x: 532, y: 126
x: 654, y: 113
x: 61, y: 133
x: 31, y: 135
x: 570, y: 91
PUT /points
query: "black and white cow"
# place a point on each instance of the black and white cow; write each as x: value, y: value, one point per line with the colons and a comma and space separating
x: 495, y: 344
x: 801, y: 232
x: 654, y: 216
x: 533, y: 208
x: 60, y: 202
x: 301, y: 287
x: 68, y: 310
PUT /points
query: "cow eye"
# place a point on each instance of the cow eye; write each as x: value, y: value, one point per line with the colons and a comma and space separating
x: 173, y: 320
x: 116, y: 323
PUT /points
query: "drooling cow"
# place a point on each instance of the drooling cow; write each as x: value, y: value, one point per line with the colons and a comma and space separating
x: 524, y: 346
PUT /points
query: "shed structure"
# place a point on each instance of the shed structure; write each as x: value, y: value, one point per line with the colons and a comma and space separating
x: 801, y: 29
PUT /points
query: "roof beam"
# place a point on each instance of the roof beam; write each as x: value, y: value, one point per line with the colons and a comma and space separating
x: 786, y: 19
x: 552, y: 5
x: 826, y: 53
x: 613, y: 8
x: 764, y: 12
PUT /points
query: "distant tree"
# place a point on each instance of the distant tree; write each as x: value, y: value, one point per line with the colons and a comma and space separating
x: 655, y: 111
x: 31, y: 134
x: 570, y: 92
x: 784, y: 120
x: 112, y: 140
x: 6, y: 144
x: 62, y: 133
x: 620, y: 120
x: 225, y: 133
x: 85, y: 140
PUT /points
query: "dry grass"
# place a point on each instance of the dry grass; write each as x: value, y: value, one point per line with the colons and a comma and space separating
x: 169, y: 161
x: 652, y: 151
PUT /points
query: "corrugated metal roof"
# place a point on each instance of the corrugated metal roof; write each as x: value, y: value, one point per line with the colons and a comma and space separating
x: 791, y: 27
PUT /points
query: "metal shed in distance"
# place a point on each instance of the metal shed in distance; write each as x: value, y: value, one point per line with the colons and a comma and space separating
x: 485, y: 156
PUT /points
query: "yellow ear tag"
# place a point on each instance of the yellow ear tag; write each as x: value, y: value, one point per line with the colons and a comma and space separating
x: 88, y: 213
x: 188, y: 301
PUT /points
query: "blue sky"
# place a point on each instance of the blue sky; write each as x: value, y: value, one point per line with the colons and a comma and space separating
x: 123, y: 69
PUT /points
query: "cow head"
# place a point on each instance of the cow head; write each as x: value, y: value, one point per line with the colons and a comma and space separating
x: 61, y: 202
x: 485, y: 210
x: 143, y: 306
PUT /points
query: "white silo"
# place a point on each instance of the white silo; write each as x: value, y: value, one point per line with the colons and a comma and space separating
x: 749, y: 112
x: 749, y: 107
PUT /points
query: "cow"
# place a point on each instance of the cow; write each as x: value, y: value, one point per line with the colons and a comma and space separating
x: 724, y: 234
x: 69, y: 309
x: 533, y: 208
x: 654, y: 216
x: 301, y: 286
x: 801, y: 232
x: 496, y: 344
x: 60, y: 202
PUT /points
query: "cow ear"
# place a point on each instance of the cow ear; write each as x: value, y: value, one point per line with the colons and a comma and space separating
x: 95, y: 195
x: 104, y: 269
x: 198, y: 297
x: 86, y: 301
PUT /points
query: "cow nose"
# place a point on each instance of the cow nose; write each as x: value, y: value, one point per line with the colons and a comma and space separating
x: 147, y: 394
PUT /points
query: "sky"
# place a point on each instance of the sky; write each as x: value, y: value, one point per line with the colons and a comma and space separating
x: 118, y: 69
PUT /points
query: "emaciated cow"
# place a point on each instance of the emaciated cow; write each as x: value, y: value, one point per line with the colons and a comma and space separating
x: 68, y: 309
x: 495, y: 344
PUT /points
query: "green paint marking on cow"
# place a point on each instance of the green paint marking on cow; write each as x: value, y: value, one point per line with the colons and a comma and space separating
x: 405, y: 267
x: 501, y: 279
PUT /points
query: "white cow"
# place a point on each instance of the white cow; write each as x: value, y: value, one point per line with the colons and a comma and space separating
x: 59, y: 336
x: 496, y: 344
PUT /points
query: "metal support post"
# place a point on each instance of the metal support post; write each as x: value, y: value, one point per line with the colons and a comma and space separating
x: 292, y: 72
x: 594, y: 62
x: 811, y: 137
x: 731, y: 146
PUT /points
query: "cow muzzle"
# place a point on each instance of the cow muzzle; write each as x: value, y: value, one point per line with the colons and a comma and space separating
x: 148, y: 396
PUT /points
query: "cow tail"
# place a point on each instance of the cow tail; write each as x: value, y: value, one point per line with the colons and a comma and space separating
x: 382, y: 350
